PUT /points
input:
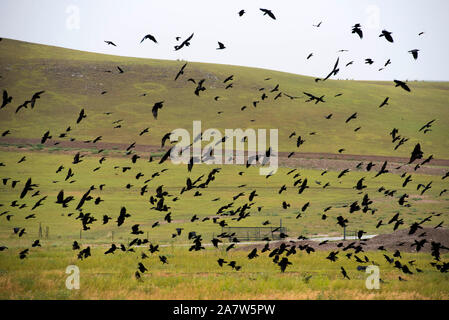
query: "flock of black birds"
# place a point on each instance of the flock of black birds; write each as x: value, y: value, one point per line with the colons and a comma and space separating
x: 160, y: 199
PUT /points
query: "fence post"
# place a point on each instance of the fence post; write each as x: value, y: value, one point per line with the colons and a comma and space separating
x: 344, y: 233
x: 40, y: 230
x: 47, y: 231
x: 112, y: 236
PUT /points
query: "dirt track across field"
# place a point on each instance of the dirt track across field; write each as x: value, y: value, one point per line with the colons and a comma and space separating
x: 319, y: 161
x: 398, y: 240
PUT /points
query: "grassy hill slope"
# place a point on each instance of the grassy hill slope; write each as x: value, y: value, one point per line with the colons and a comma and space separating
x: 73, y: 80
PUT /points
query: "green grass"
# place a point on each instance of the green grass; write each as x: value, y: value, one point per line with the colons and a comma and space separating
x: 197, y: 276
x: 30, y: 67
x: 64, y: 228
x: 74, y: 80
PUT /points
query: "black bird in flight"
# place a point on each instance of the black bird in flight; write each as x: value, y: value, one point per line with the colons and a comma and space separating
x: 427, y: 125
x: 46, y: 137
x: 23, y: 254
x: 180, y: 71
x: 215, y: 242
x: 382, y: 170
x: 357, y: 29
x: 299, y: 141
x: 343, y: 272
x: 163, y: 259
x: 414, y: 53
x: 23, y: 105
x: 186, y: 43
x: 6, y: 99
x: 156, y: 107
x: 332, y: 256
x: 241, y: 12
x: 312, y: 97
x: 120, y: 69
x: 387, y: 35
x: 149, y: 36
x: 416, y: 153
x: 135, y: 230
x: 384, y: 103
x: 317, y: 25
x: 284, y: 263
x: 221, y: 261
x: 141, y: 267
x: 123, y: 215
x: 407, y: 180
x: 253, y: 254
x: 303, y: 186
x: 221, y: 46
x: 165, y: 156
x: 64, y: 201
x: 35, y: 96
x: 334, y: 70
x: 110, y: 43
x: 342, y: 173
x: 81, y: 116
x: 200, y: 87
x: 111, y: 249
x: 270, y: 14
x: 401, y: 84
x: 165, y: 138
x: 85, y: 253
x: 75, y: 246
x: 231, y: 77
x: 353, y: 116
x: 6, y: 133
x: 359, y: 185
x: 106, y: 219
x: 144, y: 131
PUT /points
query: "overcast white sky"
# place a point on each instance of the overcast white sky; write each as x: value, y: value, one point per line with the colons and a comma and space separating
x: 252, y: 40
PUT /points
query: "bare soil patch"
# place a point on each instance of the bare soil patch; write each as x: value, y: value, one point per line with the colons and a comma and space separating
x: 319, y: 161
x: 399, y: 240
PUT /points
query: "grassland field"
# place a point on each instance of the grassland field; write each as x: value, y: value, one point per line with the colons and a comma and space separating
x: 73, y: 80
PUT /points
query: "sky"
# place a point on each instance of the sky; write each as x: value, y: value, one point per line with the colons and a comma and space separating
x: 252, y: 40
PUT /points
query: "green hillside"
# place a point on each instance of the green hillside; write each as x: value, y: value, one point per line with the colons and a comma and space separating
x: 59, y: 194
x: 73, y: 80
